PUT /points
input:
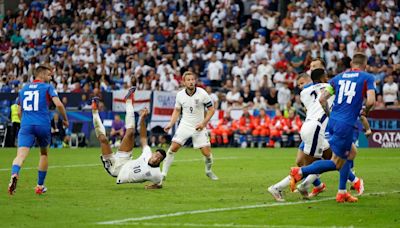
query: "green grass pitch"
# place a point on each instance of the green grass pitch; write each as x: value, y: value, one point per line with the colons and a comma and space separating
x: 81, y: 193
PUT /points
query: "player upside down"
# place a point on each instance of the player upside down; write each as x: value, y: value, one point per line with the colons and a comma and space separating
x: 120, y: 164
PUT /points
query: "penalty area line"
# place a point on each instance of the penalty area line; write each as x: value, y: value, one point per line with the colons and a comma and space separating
x: 99, y: 164
x: 210, y: 210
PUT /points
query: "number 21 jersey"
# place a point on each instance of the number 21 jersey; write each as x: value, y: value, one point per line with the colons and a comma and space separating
x: 34, y: 99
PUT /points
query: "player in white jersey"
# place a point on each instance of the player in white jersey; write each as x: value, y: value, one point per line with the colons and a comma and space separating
x: 307, y: 155
x: 120, y: 164
x: 191, y: 103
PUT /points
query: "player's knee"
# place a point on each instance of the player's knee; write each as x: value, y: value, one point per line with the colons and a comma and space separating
x: 103, y: 139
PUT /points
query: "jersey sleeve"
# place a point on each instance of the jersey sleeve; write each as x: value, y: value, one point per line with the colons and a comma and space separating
x: 178, y: 103
x: 146, y: 153
x: 52, y: 92
x: 207, y: 100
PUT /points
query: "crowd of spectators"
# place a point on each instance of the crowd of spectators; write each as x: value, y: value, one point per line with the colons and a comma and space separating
x: 248, y: 52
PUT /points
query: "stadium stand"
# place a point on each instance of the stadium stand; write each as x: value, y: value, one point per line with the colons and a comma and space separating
x: 248, y: 52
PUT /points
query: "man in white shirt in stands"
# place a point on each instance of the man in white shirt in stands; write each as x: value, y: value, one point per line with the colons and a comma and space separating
x: 390, y: 91
x: 215, y: 71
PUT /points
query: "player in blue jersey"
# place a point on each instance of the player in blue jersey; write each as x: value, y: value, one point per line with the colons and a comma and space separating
x: 349, y: 89
x: 34, y: 99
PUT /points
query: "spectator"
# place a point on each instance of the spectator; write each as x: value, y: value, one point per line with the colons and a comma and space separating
x: 117, y: 130
x: 215, y: 71
x: 390, y: 92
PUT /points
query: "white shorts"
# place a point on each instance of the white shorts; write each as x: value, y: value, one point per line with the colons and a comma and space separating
x: 114, y: 164
x: 200, y: 139
x: 313, y: 136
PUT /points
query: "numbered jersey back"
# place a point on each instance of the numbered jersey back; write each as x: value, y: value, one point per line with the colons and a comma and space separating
x: 34, y: 100
x: 310, y: 98
x: 350, y: 88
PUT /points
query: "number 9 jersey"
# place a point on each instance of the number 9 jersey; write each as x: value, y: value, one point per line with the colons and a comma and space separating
x: 34, y: 100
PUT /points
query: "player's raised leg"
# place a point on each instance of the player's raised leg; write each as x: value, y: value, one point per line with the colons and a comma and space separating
x: 26, y: 140
x: 128, y: 141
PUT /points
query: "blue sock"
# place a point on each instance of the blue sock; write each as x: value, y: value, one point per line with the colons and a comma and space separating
x: 41, y: 177
x: 344, y: 175
x: 352, y: 177
x: 15, y: 169
x: 318, y: 167
x: 317, y: 182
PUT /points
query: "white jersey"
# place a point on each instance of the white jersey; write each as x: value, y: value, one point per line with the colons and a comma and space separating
x: 193, y: 107
x: 310, y: 98
x: 138, y: 170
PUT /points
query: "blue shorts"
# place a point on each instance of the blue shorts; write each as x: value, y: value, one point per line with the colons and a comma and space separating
x: 341, y: 138
x: 301, y: 146
x: 28, y: 133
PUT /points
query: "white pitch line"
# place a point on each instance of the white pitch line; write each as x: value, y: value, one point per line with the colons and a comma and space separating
x: 99, y: 164
x: 176, y: 214
x: 227, y: 225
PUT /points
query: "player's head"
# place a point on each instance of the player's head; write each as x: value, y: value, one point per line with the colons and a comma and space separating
x: 303, y: 79
x: 157, y: 157
x: 359, y: 61
x: 43, y: 73
x: 317, y: 63
x: 189, y: 80
x: 319, y: 76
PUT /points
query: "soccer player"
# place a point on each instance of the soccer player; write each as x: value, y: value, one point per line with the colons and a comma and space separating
x: 349, y: 89
x: 191, y: 102
x: 34, y: 99
x: 312, y: 131
x: 120, y: 164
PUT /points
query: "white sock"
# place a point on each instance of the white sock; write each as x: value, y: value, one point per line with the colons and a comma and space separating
x: 208, y: 161
x: 130, y: 115
x: 98, y: 125
x: 355, y: 180
x: 106, y: 156
x: 342, y: 191
x: 123, y: 154
x: 309, y: 180
x: 283, y: 183
x: 168, y: 162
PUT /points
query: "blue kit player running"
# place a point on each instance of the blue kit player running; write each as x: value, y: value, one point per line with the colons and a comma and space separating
x: 349, y: 89
x: 34, y: 99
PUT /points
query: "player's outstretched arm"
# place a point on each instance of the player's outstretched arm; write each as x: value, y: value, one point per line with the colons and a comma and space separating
x: 143, y: 129
x: 61, y: 110
x: 367, y: 128
x: 174, y: 118
x: 326, y: 94
x: 369, y: 104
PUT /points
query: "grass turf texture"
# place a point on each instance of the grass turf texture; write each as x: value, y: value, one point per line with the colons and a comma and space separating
x: 82, y: 194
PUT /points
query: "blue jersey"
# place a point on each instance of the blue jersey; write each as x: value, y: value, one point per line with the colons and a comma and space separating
x: 350, y: 88
x: 34, y: 99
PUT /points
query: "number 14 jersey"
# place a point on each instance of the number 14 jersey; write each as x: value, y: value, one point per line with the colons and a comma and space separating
x: 350, y: 88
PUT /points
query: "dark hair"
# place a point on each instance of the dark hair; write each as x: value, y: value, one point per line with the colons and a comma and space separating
x: 161, y: 151
x: 317, y: 74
